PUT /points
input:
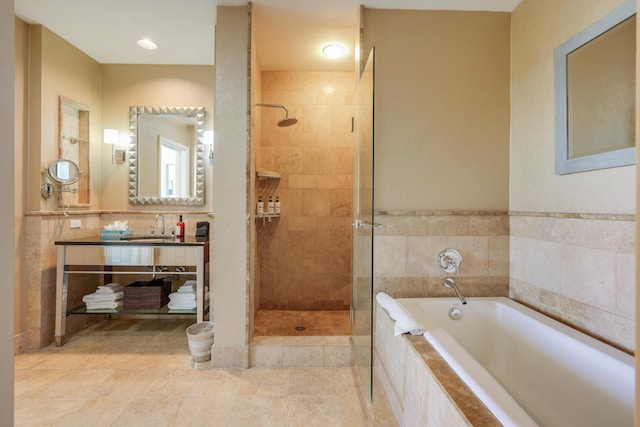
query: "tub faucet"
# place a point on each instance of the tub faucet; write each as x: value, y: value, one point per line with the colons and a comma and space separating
x: 449, y: 283
x: 162, y: 223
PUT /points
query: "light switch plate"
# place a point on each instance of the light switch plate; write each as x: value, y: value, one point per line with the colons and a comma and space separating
x: 75, y: 223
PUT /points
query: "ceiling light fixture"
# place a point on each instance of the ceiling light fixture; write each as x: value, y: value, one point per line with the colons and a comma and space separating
x: 333, y: 51
x: 147, y: 44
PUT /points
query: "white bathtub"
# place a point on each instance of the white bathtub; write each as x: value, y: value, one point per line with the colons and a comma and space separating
x: 527, y: 368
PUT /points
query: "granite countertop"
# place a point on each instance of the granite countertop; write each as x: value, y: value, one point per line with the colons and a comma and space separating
x: 138, y: 240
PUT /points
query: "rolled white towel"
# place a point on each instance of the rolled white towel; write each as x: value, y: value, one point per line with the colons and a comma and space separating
x: 404, y: 320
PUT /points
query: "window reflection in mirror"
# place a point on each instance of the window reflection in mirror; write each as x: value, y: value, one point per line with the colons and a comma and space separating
x: 174, y: 168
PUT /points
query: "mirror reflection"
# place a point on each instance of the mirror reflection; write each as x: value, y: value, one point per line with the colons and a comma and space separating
x: 73, y: 145
x: 595, y: 95
x: 166, y: 155
x: 63, y: 171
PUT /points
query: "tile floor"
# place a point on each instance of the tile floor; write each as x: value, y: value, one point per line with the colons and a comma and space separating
x: 138, y: 373
x: 315, y: 323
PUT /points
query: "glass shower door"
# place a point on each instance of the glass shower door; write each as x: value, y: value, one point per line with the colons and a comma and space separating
x: 362, y: 267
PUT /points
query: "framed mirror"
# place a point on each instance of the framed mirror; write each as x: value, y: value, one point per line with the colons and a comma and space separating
x: 595, y: 95
x: 166, y: 155
x: 73, y: 145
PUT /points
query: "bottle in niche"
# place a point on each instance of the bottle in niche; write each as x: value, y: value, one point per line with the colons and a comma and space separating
x: 180, y: 227
x: 276, y: 208
x: 270, y: 206
x: 260, y: 207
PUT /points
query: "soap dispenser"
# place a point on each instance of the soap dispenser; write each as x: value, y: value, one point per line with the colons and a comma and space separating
x: 180, y: 227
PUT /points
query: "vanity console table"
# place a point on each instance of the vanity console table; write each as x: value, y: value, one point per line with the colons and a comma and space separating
x: 133, y: 256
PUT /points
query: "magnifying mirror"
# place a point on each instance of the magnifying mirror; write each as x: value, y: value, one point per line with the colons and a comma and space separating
x: 63, y: 171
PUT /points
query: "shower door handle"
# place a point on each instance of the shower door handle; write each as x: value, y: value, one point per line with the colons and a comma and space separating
x: 358, y: 223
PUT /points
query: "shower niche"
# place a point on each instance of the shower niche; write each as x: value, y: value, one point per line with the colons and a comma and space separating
x: 267, y: 203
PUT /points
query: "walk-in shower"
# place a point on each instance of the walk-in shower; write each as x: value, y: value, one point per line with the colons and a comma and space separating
x: 287, y: 121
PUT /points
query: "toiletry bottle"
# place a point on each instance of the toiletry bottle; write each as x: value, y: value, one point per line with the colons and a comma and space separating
x: 277, y: 206
x: 260, y: 207
x: 180, y: 227
x: 270, y: 207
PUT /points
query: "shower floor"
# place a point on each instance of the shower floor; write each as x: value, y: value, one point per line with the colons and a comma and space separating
x: 288, y: 323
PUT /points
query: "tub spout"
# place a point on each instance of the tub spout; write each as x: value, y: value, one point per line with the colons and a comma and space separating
x: 449, y: 283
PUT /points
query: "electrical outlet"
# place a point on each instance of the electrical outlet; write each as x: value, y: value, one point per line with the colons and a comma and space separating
x: 75, y: 223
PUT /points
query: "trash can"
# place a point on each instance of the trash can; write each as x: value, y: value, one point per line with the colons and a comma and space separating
x: 200, y: 338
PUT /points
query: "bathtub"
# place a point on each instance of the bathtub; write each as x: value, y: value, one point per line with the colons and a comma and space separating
x: 527, y: 368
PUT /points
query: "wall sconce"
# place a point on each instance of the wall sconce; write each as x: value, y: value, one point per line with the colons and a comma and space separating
x: 208, y: 140
x: 112, y: 137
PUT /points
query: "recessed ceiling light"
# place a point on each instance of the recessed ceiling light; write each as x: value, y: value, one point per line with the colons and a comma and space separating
x: 147, y: 44
x: 333, y: 51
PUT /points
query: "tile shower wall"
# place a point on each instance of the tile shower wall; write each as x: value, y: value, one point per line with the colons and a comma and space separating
x: 578, y: 268
x: 407, y: 246
x: 305, y: 254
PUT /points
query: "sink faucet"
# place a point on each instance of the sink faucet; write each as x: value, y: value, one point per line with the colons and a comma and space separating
x: 449, y: 283
x: 162, y: 224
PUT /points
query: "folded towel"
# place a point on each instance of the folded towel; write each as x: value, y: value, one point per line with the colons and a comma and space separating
x: 109, y: 289
x: 190, y: 283
x: 404, y: 321
x: 104, y: 305
x: 182, y: 296
x: 187, y: 289
x: 181, y: 306
x: 95, y: 297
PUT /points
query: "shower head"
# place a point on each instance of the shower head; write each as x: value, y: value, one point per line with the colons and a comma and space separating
x: 287, y: 121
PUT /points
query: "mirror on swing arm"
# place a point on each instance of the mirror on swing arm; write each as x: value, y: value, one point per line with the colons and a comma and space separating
x: 64, y: 173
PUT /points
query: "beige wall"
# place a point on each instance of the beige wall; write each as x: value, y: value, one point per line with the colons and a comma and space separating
x: 538, y: 27
x: 58, y: 69
x: 572, y: 239
x: 21, y: 296
x: 8, y: 213
x: 149, y: 85
x: 231, y: 189
x: 305, y: 254
x: 442, y: 109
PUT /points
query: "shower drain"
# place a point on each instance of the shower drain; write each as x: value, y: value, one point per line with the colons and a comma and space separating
x: 299, y: 328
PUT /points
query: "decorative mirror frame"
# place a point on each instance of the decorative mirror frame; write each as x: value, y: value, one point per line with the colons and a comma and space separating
x: 607, y: 159
x: 197, y: 197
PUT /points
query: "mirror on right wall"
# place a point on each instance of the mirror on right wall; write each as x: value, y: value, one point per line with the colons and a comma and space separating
x: 595, y: 73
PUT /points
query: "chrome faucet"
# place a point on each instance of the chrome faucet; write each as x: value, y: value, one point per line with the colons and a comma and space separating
x: 449, y: 283
x: 162, y: 224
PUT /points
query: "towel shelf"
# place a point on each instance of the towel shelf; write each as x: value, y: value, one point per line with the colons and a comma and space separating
x: 95, y: 257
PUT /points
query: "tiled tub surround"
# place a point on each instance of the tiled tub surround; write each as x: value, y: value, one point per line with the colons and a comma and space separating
x: 407, y: 246
x: 579, y: 269
x: 420, y: 386
x: 305, y: 254
x: 41, y: 231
